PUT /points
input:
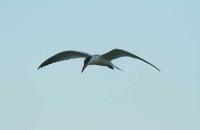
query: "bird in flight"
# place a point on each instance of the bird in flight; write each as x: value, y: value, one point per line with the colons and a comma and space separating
x: 102, y: 60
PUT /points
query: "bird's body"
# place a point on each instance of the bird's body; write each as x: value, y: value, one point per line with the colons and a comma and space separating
x: 98, y: 60
x: 95, y: 60
x: 102, y: 60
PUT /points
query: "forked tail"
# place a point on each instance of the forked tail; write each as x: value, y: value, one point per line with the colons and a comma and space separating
x: 117, y: 68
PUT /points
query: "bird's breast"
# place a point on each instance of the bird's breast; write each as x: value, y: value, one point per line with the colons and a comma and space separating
x: 98, y: 60
x: 95, y: 59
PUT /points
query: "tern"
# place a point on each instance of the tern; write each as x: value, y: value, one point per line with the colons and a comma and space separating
x: 102, y: 60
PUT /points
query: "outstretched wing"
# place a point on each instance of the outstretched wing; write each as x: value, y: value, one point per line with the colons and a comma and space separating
x: 65, y: 55
x: 117, y: 53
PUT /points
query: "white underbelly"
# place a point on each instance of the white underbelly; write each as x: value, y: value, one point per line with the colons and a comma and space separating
x: 97, y: 60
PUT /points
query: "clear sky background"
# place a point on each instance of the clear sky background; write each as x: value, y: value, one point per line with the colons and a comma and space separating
x: 59, y: 97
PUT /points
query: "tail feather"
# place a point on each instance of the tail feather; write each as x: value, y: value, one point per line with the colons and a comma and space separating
x: 117, y: 68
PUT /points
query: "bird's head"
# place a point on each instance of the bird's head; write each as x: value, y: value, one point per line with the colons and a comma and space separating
x: 86, y: 61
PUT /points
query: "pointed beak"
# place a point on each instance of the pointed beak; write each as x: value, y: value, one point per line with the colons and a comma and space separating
x: 84, y: 66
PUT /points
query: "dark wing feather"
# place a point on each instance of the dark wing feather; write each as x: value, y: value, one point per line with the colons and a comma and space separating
x: 65, y: 55
x: 117, y: 53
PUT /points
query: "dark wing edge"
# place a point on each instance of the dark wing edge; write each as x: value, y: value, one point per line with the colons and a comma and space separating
x: 65, y: 55
x: 117, y: 53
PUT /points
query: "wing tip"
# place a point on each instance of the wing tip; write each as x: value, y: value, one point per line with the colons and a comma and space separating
x: 41, y: 66
x: 154, y: 67
x: 159, y: 70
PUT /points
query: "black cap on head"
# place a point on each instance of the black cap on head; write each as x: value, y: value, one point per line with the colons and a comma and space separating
x: 87, y: 59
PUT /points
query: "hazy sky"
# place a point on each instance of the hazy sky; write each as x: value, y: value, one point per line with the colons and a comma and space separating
x: 59, y: 97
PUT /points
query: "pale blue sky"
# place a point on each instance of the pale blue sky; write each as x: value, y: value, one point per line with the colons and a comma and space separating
x: 59, y: 97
